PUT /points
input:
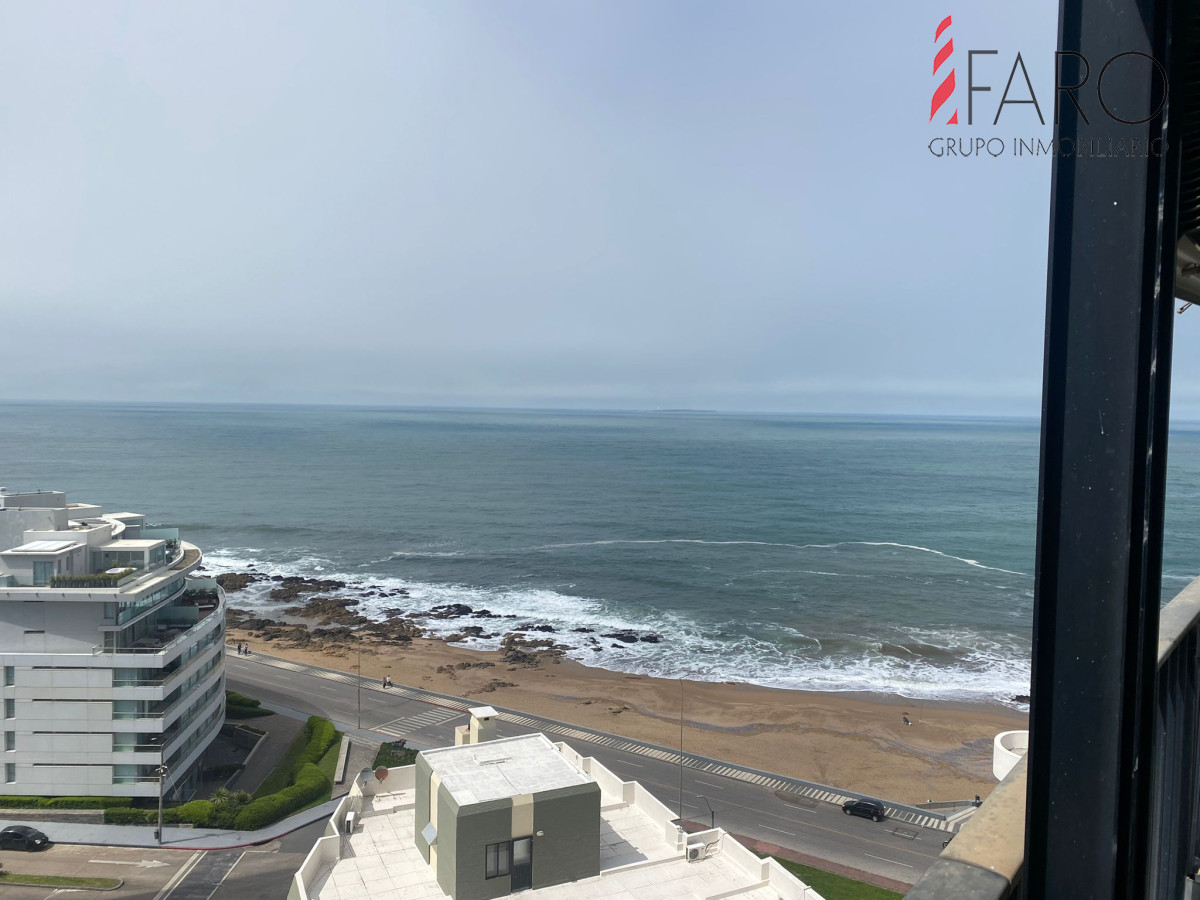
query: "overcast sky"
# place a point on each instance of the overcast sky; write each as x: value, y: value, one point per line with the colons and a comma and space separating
x: 612, y: 204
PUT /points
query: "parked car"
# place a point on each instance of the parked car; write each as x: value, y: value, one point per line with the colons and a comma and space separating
x: 22, y: 837
x: 867, y: 808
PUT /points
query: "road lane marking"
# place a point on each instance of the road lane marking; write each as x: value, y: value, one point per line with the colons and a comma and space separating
x: 883, y: 859
x: 781, y: 831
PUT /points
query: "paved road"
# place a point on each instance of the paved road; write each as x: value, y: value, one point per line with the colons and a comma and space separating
x: 768, y: 808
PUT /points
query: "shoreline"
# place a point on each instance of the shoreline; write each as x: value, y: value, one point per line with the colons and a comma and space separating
x: 853, y: 740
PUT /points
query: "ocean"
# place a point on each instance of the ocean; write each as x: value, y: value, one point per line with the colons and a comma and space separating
x: 889, y: 555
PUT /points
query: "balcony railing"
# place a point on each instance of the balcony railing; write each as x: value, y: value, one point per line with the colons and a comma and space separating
x: 984, y: 861
x: 163, y: 643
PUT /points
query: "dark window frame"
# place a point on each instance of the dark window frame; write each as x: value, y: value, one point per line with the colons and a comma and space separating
x: 491, y: 860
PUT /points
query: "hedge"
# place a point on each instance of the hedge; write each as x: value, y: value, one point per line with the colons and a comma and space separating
x: 309, y: 785
x: 233, y: 698
x: 63, y: 802
x: 321, y: 735
x: 127, y: 815
x: 198, y: 812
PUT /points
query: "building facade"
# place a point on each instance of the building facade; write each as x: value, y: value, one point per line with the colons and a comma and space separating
x: 112, y: 653
x: 481, y: 809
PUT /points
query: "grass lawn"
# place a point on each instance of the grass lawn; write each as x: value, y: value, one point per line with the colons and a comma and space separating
x: 836, y: 887
x: 390, y: 757
x: 67, y: 881
x: 328, y: 762
x: 281, y: 775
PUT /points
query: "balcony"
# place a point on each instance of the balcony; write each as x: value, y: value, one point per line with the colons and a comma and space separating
x: 985, y: 859
x: 174, y: 626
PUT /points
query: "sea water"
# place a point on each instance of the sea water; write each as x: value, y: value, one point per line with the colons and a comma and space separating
x: 843, y: 554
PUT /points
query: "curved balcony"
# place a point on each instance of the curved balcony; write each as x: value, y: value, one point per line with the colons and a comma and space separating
x: 201, y: 612
x: 1007, y: 750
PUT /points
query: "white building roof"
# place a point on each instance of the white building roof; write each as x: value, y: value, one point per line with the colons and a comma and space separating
x: 640, y: 858
x: 44, y: 547
x: 476, y: 773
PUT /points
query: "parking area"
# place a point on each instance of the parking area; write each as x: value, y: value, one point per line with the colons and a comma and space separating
x: 145, y: 872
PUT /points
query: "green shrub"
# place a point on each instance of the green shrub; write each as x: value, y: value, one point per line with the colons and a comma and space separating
x: 233, y: 698
x: 128, y: 816
x: 226, y: 805
x: 7, y: 802
x: 198, y: 812
x: 321, y: 735
x: 393, y: 754
x: 310, y: 785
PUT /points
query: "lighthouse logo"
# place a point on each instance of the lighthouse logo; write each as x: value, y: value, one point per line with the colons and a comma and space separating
x: 942, y: 62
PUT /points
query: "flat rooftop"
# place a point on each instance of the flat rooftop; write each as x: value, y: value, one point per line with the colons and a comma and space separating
x: 43, y: 547
x: 493, y: 770
x: 636, y: 863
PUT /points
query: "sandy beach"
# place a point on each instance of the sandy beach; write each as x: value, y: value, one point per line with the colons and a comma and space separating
x: 856, y: 742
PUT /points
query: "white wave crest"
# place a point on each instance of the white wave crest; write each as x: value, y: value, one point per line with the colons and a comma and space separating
x: 923, y: 663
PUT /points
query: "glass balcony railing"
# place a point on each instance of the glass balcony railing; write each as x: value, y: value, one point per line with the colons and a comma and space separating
x: 173, y: 626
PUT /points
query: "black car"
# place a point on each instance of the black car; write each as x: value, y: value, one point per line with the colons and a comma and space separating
x: 868, y: 809
x: 22, y: 837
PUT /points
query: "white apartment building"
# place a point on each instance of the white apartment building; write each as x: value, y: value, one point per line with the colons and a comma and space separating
x: 113, y: 655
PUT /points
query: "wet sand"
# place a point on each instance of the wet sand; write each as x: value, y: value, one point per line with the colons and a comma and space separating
x: 852, y: 741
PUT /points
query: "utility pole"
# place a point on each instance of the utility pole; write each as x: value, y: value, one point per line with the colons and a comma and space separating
x: 161, y: 772
x: 359, y: 679
x: 680, y: 752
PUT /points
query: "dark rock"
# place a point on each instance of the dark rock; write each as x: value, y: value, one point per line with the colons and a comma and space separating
x: 451, y: 611
x: 235, y: 581
x: 651, y: 638
x: 625, y: 635
x: 582, y: 630
x: 518, y: 649
x: 293, y: 586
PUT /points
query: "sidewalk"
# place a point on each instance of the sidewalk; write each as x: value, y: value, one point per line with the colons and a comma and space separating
x: 174, y: 838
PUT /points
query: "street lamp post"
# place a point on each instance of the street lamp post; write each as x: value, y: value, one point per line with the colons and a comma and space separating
x: 359, y: 679
x: 161, y: 772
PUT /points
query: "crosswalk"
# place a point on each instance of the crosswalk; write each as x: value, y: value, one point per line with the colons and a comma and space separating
x: 443, y: 709
x: 406, y: 725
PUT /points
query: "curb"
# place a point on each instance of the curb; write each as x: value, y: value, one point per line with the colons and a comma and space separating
x: 64, y: 887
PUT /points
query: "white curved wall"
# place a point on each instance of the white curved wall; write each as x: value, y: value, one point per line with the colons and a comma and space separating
x: 1007, y: 750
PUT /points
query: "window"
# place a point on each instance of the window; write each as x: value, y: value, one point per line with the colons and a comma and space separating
x: 42, y: 572
x: 10, y: 772
x: 10, y: 708
x: 9, y: 675
x: 10, y: 740
x: 498, y: 859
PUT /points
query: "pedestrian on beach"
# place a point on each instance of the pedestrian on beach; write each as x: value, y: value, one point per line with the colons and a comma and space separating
x: 907, y: 721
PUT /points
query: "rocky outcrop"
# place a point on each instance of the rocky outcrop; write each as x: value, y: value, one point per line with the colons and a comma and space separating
x: 293, y: 586
x: 519, y: 650
x: 235, y: 581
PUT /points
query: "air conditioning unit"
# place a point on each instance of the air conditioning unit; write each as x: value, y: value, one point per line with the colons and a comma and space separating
x: 351, y: 821
x: 696, y: 852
